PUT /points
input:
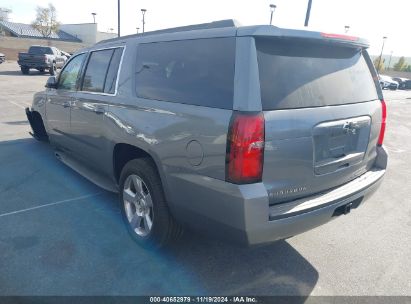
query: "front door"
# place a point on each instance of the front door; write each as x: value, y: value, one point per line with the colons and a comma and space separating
x: 59, y: 102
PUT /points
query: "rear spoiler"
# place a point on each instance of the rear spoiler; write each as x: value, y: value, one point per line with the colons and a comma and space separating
x: 275, y: 32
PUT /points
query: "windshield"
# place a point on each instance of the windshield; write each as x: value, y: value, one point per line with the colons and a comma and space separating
x: 303, y: 74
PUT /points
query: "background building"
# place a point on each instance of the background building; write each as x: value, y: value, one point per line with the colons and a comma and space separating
x: 18, y: 37
x: 86, y: 32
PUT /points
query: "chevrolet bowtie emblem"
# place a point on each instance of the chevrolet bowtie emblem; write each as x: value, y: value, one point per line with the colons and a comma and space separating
x: 350, y: 128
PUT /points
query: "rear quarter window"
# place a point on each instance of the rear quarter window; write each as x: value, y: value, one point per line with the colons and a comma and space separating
x: 302, y: 74
x: 197, y: 72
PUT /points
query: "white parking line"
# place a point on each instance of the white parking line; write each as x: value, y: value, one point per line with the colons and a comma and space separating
x: 52, y: 204
x: 16, y: 104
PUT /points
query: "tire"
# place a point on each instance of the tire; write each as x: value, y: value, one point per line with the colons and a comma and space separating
x: 39, y: 131
x: 53, y: 69
x: 41, y: 70
x: 137, y: 213
x: 25, y: 70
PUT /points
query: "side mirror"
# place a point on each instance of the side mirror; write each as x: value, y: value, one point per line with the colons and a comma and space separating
x: 51, y: 82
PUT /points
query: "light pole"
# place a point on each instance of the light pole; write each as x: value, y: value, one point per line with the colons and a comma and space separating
x: 272, y: 9
x: 382, y: 49
x: 118, y: 18
x: 347, y: 28
x: 307, y: 14
x: 143, y: 11
x: 389, y: 62
x: 94, y: 17
x: 137, y: 28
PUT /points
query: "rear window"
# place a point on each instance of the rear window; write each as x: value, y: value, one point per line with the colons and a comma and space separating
x: 302, y: 74
x: 39, y: 50
x: 197, y: 72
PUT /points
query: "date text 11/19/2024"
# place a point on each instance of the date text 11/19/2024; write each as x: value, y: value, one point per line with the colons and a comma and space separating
x: 205, y: 299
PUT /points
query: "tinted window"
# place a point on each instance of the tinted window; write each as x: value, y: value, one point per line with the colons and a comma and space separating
x: 38, y: 50
x: 299, y: 74
x: 110, y: 83
x: 96, y: 70
x: 198, y: 72
x: 68, y: 77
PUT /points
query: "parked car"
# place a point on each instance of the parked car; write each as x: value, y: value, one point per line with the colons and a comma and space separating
x: 387, y: 82
x: 406, y: 85
x: 41, y: 58
x: 2, y: 58
x: 252, y: 134
x: 399, y: 80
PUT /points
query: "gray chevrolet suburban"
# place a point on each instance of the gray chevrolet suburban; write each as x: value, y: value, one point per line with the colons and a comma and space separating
x: 253, y: 134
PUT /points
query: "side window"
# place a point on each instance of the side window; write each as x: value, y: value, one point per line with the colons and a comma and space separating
x: 68, y: 77
x: 101, y: 71
x: 198, y: 72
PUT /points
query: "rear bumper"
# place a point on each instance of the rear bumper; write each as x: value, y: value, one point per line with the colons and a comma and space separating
x: 241, y: 213
x: 35, y: 65
x: 295, y: 217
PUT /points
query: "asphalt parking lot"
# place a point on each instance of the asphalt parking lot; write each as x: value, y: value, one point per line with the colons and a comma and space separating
x: 62, y: 235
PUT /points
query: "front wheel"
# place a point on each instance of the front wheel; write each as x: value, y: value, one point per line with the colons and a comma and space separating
x: 144, y: 209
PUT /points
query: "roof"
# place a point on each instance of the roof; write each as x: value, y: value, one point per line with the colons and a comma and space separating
x: 227, y: 28
x: 27, y: 31
x: 215, y: 25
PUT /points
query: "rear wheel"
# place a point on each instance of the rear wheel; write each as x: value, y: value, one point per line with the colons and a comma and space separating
x: 41, y: 70
x: 144, y: 209
x: 25, y: 70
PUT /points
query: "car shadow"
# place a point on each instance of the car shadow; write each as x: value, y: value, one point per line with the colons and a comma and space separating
x: 17, y: 123
x: 84, y: 244
x: 223, y: 268
x: 19, y: 73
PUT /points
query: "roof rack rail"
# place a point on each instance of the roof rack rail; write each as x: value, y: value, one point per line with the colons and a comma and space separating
x: 201, y: 26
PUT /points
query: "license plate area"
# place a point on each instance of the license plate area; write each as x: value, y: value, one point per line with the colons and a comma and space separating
x: 340, y: 144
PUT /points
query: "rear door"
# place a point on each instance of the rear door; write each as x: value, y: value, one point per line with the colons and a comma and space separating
x: 322, y: 115
x: 97, y: 89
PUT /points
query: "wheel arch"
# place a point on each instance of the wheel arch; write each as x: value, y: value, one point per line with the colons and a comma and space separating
x: 124, y: 152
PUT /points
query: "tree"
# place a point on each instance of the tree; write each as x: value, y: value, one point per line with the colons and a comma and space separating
x: 379, y: 64
x: 46, y: 20
x: 400, y: 65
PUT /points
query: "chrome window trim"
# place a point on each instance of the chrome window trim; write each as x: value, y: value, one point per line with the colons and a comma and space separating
x: 118, y: 72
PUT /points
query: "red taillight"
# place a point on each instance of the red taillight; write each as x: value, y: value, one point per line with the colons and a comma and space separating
x: 245, y: 148
x: 383, y: 122
x: 339, y: 36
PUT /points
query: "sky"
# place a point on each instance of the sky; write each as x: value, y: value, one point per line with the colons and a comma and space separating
x: 371, y: 19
